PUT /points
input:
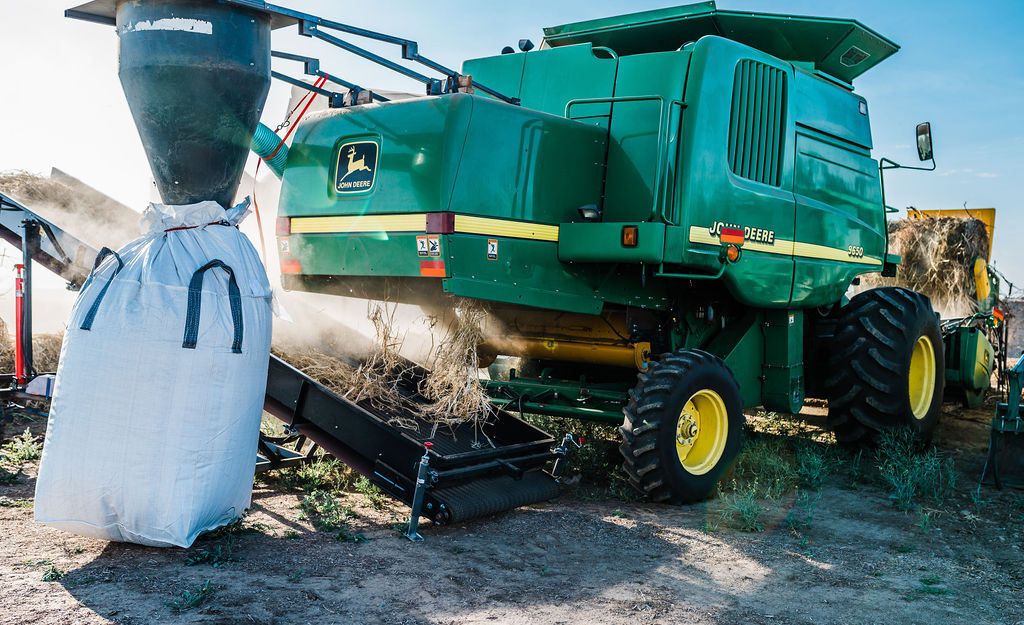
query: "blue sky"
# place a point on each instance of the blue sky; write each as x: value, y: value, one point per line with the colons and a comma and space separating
x: 959, y: 67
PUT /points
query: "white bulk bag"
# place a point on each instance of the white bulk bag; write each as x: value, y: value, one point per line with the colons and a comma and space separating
x: 156, y: 410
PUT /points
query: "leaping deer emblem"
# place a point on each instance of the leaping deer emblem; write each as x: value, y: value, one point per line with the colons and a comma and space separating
x: 354, y: 164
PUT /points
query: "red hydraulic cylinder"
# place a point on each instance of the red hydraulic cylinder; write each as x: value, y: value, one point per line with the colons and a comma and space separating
x: 19, y: 311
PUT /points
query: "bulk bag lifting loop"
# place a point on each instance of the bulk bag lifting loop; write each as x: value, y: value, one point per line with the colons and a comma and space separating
x: 195, y: 298
x: 90, y: 316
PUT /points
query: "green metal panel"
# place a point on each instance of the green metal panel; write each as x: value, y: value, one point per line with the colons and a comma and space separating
x: 529, y: 273
x: 522, y: 164
x: 741, y: 345
x: 843, y: 48
x: 546, y: 84
x: 784, y: 385
x: 970, y: 361
x: 439, y: 154
x: 602, y: 242
x: 839, y: 201
x: 412, y: 174
x: 644, y: 135
x: 370, y: 254
x: 709, y: 195
x: 503, y: 73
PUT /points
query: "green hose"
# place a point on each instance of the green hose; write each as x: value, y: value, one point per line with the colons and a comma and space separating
x: 264, y: 142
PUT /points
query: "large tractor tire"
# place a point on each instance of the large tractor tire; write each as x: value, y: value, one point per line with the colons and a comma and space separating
x: 886, y: 366
x: 683, y: 427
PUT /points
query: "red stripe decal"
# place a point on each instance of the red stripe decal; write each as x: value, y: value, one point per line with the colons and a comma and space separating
x: 291, y: 265
x: 731, y: 235
x: 432, y: 268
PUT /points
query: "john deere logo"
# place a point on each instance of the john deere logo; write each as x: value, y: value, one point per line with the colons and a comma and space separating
x: 357, y: 167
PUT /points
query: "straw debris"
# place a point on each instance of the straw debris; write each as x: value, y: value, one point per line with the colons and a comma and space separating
x: 937, y: 260
x: 45, y: 350
x: 449, y: 395
x: 453, y: 384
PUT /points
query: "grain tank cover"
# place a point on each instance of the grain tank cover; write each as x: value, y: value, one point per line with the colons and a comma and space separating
x: 842, y: 48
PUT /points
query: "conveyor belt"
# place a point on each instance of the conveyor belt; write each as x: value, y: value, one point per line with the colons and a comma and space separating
x: 471, y: 474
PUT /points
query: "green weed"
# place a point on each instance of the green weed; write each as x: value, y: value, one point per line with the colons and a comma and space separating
x: 53, y: 574
x: 909, y: 474
x: 24, y: 448
x: 8, y: 478
x: 329, y: 515
x: 710, y: 527
x: 292, y: 535
x: 741, y: 509
x: 934, y: 590
x: 924, y: 520
x: 191, y: 598
x: 769, y: 463
x: 399, y: 525
x: 296, y: 577
x: 16, y: 503
x: 977, y: 501
x: 374, y: 496
x: 324, y: 473
x: 802, y: 512
x: 238, y: 527
x: 812, y: 464
x: 856, y: 469
x: 930, y: 585
x: 216, y: 556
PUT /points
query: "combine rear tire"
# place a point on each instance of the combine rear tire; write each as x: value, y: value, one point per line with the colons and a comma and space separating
x: 886, y: 364
x: 683, y: 427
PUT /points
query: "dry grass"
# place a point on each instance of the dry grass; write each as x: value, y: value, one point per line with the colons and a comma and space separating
x: 32, y: 189
x: 84, y: 212
x: 452, y: 390
x: 45, y: 350
x: 937, y: 255
x: 453, y: 385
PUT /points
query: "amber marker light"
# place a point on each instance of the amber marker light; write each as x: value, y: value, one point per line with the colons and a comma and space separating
x: 630, y: 236
x: 732, y: 253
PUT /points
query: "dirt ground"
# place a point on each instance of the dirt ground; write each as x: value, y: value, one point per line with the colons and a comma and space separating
x: 576, y: 560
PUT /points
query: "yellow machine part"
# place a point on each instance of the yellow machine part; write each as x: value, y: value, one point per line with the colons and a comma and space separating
x: 986, y: 215
x: 981, y: 283
x: 566, y: 337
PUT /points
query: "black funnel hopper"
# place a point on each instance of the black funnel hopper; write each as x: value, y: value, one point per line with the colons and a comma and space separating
x: 196, y: 75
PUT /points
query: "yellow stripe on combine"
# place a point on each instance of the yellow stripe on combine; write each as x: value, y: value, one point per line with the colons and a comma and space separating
x: 360, y: 223
x: 787, y: 248
x: 418, y: 223
x: 504, y: 228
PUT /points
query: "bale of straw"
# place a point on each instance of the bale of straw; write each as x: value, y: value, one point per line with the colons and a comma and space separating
x: 937, y: 260
x: 45, y: 350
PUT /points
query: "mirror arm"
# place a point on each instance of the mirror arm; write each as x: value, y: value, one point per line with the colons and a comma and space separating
x: 885, y: 163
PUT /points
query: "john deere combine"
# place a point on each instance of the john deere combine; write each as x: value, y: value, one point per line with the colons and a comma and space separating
x: 667, y: 223
x: 663, y: 212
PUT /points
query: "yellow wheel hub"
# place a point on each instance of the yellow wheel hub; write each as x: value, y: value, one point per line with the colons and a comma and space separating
x: 701, y: 431
x: 922, y: 377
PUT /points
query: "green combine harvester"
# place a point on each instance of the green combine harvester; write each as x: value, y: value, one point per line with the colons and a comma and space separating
x: 663, y: 212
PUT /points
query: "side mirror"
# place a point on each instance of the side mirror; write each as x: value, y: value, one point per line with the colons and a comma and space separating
x: 924, y: 141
